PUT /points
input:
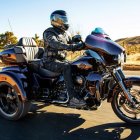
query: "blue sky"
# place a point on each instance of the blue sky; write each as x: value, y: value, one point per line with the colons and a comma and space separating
x: 119, y: 18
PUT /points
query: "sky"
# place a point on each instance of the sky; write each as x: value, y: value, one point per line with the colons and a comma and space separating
x: 119, y: 18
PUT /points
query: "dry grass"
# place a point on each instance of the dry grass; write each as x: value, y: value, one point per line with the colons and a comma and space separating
x: 71, y: 56
x: 131, y: 67
x: 133, y: 59
x: 133, y: 62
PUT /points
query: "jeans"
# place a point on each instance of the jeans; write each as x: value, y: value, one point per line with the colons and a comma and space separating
x: 65, y: 68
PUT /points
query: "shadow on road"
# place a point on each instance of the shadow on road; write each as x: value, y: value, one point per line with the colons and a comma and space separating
x: 110, y: 131
x: 57, y: 126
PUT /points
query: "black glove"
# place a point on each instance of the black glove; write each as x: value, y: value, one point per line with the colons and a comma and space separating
x: 76, y: 38
x: 79, y: 46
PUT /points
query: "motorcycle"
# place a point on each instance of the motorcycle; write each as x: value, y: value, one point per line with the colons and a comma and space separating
x: 97, y: 76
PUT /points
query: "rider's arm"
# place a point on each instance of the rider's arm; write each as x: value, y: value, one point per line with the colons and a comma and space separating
x: 52, y: 41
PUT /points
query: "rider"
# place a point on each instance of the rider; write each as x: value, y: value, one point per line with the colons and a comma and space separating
x: 56, y: 42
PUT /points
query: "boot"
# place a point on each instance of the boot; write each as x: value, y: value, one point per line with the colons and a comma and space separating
x: 75, y: 101
x: 78, y: 103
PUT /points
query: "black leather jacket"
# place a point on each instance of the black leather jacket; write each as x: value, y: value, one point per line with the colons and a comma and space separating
x: 56, y: 42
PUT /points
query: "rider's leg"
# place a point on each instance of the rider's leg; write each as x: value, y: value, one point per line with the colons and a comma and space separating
x: 65, y: 68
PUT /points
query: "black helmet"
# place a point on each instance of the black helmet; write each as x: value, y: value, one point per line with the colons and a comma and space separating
x: 59, y: 19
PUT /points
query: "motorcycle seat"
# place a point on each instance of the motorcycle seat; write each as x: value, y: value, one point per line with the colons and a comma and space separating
x: 46, y: 73
x: 36, y: 66
x: 33, y: 56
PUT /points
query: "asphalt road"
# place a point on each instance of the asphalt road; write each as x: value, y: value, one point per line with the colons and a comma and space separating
x: 58, y: 123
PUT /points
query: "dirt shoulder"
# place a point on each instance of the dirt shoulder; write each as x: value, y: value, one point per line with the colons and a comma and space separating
x: 132, y: 67
x: 132, y: 62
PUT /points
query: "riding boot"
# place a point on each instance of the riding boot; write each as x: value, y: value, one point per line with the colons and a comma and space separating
x: 74, y: 100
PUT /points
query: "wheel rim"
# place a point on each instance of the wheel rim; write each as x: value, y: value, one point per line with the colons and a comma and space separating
x: 9, y: 101
x: 125, y: 109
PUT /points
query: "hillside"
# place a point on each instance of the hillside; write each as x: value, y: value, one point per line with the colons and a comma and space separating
x: 131, y: 44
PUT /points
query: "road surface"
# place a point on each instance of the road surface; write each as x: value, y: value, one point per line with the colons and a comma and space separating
x: 58, y: 123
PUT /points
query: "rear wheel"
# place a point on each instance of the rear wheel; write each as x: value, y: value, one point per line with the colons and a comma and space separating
x: 11, y: 106
x: 123, y: 109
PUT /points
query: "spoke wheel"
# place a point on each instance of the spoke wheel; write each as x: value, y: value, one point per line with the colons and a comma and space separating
x: 124, y: 110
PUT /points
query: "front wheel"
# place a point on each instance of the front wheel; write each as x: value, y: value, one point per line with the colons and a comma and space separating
x: 11, y: 106
x: 123, y: 109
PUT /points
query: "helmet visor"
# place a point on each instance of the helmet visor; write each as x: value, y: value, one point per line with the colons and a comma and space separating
x: 61, y: 19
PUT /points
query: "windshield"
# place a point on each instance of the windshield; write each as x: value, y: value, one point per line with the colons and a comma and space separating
x: 103, y: 45
x: 98, y: 31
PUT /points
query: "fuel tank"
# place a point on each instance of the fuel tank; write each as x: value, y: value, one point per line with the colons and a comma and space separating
x: 84, y: 63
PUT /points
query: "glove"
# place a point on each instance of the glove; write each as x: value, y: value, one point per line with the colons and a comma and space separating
x: 79, y: 46
x: 76, y: 38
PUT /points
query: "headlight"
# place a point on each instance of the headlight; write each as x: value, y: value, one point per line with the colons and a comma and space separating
x: 120, y: 58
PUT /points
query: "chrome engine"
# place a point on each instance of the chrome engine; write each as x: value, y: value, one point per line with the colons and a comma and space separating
x: 80, y: 80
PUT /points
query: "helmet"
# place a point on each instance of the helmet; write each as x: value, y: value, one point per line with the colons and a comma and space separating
x: 100, y: 32
x: 59, y: 19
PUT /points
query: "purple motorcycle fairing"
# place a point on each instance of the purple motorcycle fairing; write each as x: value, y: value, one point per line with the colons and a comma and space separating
x: 103, y: 45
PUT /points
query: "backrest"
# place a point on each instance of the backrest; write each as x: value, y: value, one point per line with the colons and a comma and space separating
x: 31, y: 48
x: 27, y: 42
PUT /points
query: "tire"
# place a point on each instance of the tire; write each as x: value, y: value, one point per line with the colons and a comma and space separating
x: 124, y: 110
x: 11, y: 105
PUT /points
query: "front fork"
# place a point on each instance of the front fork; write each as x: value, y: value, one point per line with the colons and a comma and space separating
x: 119, y: 76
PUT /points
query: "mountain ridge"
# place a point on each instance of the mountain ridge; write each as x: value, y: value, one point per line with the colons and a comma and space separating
x: 131, y: 44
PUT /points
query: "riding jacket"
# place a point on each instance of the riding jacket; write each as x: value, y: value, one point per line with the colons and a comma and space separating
x: 56, y: 43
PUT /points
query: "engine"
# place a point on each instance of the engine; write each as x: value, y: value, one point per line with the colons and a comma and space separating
x: 79, y: 80
x: 90, y: 91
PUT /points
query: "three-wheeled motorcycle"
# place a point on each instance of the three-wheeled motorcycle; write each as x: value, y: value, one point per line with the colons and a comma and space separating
x: 97, y: 75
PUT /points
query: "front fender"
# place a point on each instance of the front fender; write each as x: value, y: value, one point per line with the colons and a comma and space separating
x: 133, y: 80
x: 129, y: 81
x: 15, y: 79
